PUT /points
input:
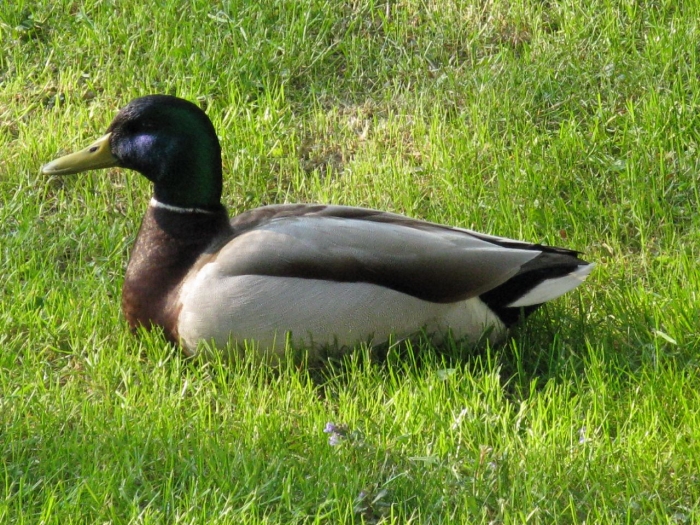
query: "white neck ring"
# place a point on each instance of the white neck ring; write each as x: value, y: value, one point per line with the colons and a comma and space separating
x: 178, y: 209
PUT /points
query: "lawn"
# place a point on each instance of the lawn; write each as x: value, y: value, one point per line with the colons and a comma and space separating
x: 569, y: 123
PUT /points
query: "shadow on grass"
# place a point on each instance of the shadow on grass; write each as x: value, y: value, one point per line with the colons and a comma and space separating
x: 554, y: 343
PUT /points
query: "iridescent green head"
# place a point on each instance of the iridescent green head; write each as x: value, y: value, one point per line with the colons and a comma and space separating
x: 168, y: 140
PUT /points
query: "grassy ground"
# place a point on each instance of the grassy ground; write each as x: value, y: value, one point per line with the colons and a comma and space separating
x: 570, y: 123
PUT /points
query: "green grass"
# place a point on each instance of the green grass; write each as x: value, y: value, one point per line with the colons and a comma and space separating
x: 569, y: 123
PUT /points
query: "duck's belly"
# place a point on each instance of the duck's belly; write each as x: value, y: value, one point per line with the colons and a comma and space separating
x: 312, y: 313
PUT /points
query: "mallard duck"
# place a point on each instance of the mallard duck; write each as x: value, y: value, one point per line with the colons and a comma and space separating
x: 310, y: 274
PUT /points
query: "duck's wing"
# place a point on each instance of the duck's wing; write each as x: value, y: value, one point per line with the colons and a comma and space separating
x: 428, y: 261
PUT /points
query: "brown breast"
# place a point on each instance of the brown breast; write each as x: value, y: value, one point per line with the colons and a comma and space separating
x: 168, y: 245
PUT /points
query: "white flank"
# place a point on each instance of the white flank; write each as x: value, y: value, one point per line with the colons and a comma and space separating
x: 553, y: 288
x: 265, y: 309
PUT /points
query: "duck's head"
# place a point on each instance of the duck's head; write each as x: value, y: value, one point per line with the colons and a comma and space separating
x: 168, y: 140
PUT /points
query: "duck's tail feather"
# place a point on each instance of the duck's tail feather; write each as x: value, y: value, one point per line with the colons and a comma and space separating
x: 544, y: 278
x: 552, y: 288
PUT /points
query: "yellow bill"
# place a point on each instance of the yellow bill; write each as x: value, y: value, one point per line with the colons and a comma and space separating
x: 97, y: 155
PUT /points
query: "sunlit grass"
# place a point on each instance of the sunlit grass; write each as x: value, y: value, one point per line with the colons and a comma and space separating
x: 567, y: 123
